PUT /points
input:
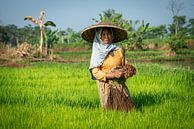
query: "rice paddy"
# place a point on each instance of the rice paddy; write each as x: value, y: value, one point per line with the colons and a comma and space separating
x: 58, y: 95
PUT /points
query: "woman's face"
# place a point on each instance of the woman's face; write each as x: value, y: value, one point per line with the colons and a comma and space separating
x: 106, y: 36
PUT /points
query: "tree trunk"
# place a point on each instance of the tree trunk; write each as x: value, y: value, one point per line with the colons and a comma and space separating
x: 46, y: 43
x: 176, y: 27
x: 41, y: 41
x: 62, y: 39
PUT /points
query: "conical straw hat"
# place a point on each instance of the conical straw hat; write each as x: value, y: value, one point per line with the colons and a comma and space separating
x: 119, y: 33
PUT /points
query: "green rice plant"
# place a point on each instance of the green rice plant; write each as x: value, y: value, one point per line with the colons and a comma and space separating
x: 57, y: 95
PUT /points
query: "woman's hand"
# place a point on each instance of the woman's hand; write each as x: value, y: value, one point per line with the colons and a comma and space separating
x: 114, y: 74
x: 122, y: 71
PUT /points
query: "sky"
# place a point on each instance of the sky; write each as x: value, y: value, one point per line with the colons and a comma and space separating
x: 78, y: 14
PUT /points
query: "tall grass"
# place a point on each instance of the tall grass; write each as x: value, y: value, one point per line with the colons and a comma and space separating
x: 53, y: 95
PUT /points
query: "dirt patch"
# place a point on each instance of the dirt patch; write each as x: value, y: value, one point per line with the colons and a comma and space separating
x: 162, y: 60
x: 190, y: 44
x: 12, y: 63
x: 70, y: 49
x: 15, y: 65
x: 169, y: 53
x: 59, y: 61
x: 152, y: 46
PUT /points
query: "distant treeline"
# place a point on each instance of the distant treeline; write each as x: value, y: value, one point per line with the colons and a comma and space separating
x: 137, y: 30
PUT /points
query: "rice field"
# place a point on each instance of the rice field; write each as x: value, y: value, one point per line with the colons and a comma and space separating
x: 57, y: 95
x: 156, y: 55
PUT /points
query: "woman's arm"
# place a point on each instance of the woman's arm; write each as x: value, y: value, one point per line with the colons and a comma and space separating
x: 100, y: 75
x: 124, y: 61
x: 114, y: 74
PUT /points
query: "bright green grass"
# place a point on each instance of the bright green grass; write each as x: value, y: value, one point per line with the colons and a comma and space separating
x: 53, y: 95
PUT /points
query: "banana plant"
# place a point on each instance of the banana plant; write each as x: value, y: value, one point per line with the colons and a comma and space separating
x: 137, y: 36
x: 42, y: 25
x: 51, y: 38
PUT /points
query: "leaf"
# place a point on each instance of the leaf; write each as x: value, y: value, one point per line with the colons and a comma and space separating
x: 146, y: 27
x: 50, y: 23
x: 30, y: 18
x: 95, y: 20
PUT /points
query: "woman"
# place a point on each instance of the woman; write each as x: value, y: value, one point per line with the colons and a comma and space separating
x: 108, y: 65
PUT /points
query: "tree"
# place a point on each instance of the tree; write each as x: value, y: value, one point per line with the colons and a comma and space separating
x: 11, y: 33
x: 70, y: 36
x: 110, y: 16
x: 137, y: 36
x: 191, y: 27
x: 61, y: 35
x: 42, y: 25
x: 51, y: 38
x: 156, y: 32
x: 178, y: 25
x: 175, y: 7
x: 4, y: 37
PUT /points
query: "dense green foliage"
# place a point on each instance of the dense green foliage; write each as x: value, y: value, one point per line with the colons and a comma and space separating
x: 53, y: 95
x: 51, y: 38
x: 137, y: 31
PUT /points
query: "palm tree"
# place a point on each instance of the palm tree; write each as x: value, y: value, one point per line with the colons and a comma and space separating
x: 110, y: 16
x: 42, y: 25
